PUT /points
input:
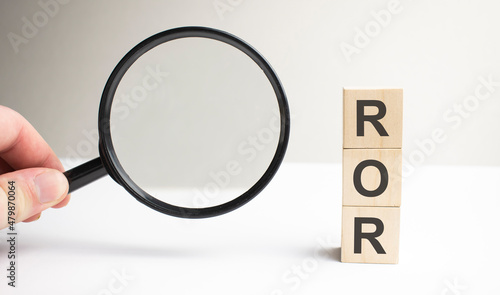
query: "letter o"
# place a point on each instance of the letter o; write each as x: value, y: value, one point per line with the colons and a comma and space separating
x: 384, y: 178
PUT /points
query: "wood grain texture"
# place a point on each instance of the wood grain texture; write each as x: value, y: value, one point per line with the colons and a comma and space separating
x: 371, y: 176
x: 388, y: 238
x: 392, y: 121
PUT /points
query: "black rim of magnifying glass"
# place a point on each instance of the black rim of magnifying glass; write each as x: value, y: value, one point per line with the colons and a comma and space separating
x: 107, y: 151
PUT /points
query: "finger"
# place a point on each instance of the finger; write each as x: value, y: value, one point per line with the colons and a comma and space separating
x: 20, y: 139
x: 21, y: 146
x: 4, y: 167
x: 63, y: 203
x: 33, y: 218
x: 35, y: 190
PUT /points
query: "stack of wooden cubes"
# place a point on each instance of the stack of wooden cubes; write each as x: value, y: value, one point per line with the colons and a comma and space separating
x: 371, y: 187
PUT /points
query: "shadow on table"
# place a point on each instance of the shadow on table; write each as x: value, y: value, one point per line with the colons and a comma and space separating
x: 332, y: 253
x: 139, y: 249
x: 106, y: 249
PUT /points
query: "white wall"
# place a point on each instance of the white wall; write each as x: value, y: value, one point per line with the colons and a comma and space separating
x: 438, y: 51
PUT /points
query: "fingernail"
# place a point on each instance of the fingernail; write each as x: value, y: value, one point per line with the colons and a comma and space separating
x: 50, y: 185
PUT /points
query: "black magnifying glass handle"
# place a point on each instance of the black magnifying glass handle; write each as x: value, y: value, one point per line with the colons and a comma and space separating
x: 84, y: 174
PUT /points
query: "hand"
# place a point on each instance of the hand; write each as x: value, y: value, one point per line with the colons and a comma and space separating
x: 26, y: 159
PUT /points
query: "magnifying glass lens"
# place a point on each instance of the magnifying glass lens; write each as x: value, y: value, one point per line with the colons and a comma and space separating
x: 195, y: 122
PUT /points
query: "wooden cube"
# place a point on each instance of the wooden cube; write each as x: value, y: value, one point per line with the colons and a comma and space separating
x: 371, y: 177
x: 370, y: 234
x: 373, y: 118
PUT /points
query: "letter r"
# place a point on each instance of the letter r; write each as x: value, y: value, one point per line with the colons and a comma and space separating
x: 374, y: 119
x: 371, y: 237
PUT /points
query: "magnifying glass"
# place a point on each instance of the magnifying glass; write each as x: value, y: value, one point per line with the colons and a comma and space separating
x: 193, y: 122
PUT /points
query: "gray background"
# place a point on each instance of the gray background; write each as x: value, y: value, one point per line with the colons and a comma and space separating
x: 435, y: 50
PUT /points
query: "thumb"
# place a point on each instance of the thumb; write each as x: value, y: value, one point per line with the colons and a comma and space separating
x: 28, y: 192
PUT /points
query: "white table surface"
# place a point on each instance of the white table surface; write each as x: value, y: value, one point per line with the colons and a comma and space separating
x: 285, y: 241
